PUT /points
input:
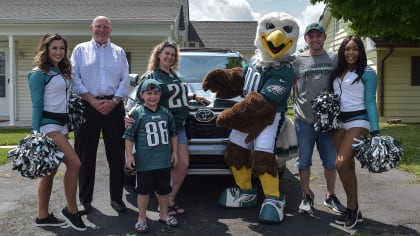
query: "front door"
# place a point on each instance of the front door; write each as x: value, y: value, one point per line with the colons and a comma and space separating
x: 4, y: 85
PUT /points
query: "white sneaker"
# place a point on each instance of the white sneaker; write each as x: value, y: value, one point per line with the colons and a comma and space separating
x: 307, y: 203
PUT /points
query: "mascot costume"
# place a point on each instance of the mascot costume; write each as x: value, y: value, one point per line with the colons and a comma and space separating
x: 256, y: 121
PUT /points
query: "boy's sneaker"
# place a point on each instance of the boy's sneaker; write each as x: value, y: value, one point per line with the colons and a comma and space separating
x: 342, y: 218
x: 50, y: 220
x: 334, y: 204
x: 75, y: 220
x: 307, y: 203
x: 235, y: 197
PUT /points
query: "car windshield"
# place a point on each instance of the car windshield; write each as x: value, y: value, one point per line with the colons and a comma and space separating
x: 193, y: 68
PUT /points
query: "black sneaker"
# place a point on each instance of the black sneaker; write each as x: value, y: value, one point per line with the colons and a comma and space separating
x: 50, y: 220
x: 342, y: 218
x: 352, y: 218
x: 75, y: 220
x: 307, y: 203
x: 334, y: 204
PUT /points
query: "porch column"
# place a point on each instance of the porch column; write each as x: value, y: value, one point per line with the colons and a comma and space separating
x: 11, y: 81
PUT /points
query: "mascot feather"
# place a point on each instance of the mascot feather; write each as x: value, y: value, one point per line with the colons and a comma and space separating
x: 256, y: 121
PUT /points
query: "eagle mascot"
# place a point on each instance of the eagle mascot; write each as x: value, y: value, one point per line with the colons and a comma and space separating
x: 256, y: 121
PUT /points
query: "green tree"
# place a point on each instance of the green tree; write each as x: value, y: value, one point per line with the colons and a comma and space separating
x: 395, y: 20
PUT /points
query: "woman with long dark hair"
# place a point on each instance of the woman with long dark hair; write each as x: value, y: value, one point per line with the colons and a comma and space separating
x: 355, y: 84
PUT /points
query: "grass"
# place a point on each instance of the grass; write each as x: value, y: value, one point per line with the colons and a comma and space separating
x: 405, y: 133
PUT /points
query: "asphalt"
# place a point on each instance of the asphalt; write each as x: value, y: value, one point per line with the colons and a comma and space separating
x: 389, y: 203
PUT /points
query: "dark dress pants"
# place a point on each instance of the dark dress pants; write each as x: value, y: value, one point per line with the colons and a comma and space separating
x: 86, y: 146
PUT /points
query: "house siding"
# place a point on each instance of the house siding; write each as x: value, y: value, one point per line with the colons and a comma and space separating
x: 402, y: 99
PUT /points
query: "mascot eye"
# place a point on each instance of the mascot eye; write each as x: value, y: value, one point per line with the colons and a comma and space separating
x: 269, y: 25
x: 288, y: 29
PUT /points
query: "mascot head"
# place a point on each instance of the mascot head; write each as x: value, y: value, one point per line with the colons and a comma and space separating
x: 277, y: 35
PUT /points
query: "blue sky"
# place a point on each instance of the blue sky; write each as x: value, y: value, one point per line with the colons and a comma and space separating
x: 248, y: 10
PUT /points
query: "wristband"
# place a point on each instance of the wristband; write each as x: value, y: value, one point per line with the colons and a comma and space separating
x: 194, y: 95
x: 115, y: 101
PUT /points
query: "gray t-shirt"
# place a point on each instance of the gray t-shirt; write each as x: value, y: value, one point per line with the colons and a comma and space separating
x: 312, y: 77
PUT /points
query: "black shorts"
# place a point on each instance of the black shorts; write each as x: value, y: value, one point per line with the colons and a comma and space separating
x: 151, y: 181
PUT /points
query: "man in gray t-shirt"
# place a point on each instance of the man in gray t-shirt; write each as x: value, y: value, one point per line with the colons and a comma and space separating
x: 312, y: 71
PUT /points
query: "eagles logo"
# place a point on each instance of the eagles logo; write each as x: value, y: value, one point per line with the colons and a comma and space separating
x: 276, y: 89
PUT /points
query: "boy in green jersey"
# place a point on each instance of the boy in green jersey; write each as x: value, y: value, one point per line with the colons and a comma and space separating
x: 155, y: 138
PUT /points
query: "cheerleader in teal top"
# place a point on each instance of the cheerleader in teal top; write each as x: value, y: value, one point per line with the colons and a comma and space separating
x: 355, y: 84
x: 50, y: 86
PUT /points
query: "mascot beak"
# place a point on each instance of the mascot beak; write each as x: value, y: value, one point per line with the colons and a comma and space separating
x: 276, y: 43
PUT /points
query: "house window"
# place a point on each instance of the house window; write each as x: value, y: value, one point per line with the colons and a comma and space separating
x: 415, y: 71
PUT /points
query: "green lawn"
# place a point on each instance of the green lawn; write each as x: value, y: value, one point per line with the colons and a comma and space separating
x: 405, y: 133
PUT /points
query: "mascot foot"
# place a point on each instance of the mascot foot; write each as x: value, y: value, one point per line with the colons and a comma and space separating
x: 272, y: 210
x: 235, y: 197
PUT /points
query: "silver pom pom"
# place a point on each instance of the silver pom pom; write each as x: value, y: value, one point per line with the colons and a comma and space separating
x: 36, y: 156
x: 379, y: 153
x: 76, y: 112
x: 326, y: 108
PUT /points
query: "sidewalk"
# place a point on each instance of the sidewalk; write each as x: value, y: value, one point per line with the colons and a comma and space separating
x: 389, y: 203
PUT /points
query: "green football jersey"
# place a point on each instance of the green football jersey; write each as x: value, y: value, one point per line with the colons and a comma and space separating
x: 151, y: 134
x: 174, y: 95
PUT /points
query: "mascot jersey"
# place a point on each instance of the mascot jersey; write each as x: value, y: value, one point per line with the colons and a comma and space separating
x: 273, y: 80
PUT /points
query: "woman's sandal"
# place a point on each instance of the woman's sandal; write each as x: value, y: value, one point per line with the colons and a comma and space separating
x: 141, y: 227
x: 171, y: 221
x: 175, y: 210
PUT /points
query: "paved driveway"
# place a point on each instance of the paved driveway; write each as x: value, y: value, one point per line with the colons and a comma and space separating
x: 389, y: 202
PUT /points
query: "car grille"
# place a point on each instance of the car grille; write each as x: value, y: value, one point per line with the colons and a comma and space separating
x: 201, y: 122
x: 201, y: 129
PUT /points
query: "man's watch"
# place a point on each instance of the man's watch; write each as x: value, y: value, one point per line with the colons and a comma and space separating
x: 115, y: 101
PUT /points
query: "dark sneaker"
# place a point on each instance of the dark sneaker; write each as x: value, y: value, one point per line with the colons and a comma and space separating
x: 50, y: 220
x: 342, y: 218
x: 334, y: 204
x: 118, y: 206
x: 75, y: 220
x: 352, y: 218
x: 307, y: 203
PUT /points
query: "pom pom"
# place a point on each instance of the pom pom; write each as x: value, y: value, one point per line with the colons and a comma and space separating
x: 379, y: 153
x: 76, y: 112
x: 326, y: 109
x: 36, y: 156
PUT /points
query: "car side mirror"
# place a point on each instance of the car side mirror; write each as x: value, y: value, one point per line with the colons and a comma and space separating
x: 133, y: 79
